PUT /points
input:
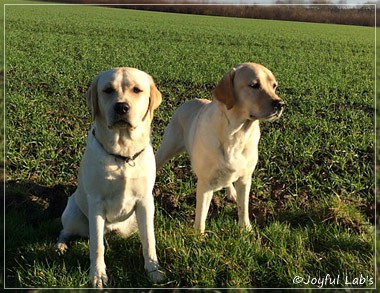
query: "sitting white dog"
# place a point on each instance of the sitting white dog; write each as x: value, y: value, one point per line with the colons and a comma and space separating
x: 118, y: 171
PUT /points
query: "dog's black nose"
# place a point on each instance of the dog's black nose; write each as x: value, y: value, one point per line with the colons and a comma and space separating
x: 278, y: 104
x: 121, y: 108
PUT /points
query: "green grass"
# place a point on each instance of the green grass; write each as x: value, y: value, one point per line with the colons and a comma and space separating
x: 312, y: 195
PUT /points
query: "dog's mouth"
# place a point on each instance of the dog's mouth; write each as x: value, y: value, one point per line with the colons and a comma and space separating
x: 274, y: 116
x: 121, y: 124
x: 271, y: 117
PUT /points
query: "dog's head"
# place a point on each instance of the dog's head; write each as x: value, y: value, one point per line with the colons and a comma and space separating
x: 123, y: 97
x: 251, y: 88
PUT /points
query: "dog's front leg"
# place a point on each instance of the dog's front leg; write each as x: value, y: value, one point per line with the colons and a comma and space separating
x: 243, y: 186
x: 204, y: 196
x: 145, y: 221
x: 98, y: 274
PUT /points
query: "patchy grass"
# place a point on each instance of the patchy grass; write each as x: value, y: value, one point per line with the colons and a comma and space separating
x: 312, y: 197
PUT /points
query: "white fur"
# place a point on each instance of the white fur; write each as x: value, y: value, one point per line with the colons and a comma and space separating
x: 113, y: 194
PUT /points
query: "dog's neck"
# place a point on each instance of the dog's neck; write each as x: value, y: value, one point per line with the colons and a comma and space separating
x: 123, y: 142
x: 233, y: 121
x: 235, y: 133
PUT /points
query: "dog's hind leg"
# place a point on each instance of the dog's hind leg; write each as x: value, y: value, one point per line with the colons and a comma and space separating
x: 231, y: 193
x: 74, y: 223
x: 172, y: 143
x: 177, y: 133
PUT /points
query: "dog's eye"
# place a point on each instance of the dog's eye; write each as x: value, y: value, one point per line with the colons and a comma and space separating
x: 255, y: 85
x: 109, y: 90
x: 136, y: 90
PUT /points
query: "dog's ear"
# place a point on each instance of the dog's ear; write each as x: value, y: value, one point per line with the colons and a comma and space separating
x: 155, y: 98
x: 92, y: 97
x: 224, y: 91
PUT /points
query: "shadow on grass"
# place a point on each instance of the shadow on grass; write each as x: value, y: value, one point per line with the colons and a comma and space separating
x: 32, y: 219
x: 32, y: 224
x: 37, y: 199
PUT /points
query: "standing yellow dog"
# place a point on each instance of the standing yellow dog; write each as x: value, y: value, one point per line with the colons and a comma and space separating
x: 222, y: 136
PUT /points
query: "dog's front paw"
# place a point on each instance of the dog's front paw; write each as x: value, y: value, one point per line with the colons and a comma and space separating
x: 99, y: 278
x: 156, y: 275
x: 61, y: 247
x: 246, y: 227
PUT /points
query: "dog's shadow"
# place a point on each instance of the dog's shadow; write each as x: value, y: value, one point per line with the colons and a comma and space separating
x: 47, y: 202
x: 32, y: 224
x: 32, y: 219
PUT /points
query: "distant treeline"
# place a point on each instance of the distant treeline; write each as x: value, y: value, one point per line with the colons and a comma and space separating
x: 339, y: 14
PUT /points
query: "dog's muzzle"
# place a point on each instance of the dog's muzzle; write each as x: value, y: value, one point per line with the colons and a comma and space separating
x: 121, y: 108
x: 278, y: 107
x: 120, y: 116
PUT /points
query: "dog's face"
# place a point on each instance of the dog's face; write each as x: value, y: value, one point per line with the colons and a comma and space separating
x: 123, y: 97
x: 251, y: 88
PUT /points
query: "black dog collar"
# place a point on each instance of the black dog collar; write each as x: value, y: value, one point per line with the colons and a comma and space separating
x: 128, y: 160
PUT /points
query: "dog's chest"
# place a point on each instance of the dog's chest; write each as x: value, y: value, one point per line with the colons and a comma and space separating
x: 222, y: 177
x: 226, y: 172
x: 233, y: 162
x: 117, y: 187
x: 121, y: 196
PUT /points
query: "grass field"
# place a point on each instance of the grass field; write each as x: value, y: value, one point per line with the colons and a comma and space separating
x: 312, y: 198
